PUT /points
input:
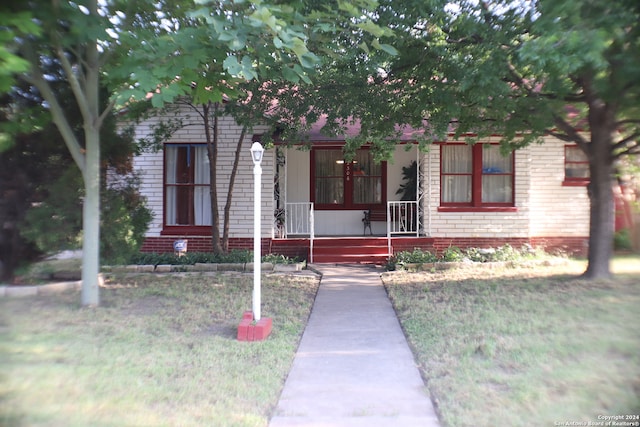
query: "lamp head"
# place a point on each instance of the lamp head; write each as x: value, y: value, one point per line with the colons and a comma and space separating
x: 256, y: 153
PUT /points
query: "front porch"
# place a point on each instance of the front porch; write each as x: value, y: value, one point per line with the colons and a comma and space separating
x: 296, y: 227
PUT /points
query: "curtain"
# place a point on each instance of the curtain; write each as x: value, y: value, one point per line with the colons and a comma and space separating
x: 202, y: 196
x: 329, y: 166
x: 171, y: 155
x: 456, y: 173
x: 367, y: 179
x: 497, y: 173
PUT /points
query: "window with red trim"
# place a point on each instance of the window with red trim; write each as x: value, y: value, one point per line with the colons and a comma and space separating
x: 476, y: 176
x: 576, y: 166
x: 340, y: 184
x: 187, y: 200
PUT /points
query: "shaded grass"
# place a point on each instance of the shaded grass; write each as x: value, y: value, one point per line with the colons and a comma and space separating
x: 160, y: 351
x: 524, y: 346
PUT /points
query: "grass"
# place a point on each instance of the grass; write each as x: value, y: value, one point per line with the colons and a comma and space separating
x: 160, y: 351
x: 524, y: 346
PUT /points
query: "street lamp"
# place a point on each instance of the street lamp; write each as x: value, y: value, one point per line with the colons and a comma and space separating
x: 256, y: 154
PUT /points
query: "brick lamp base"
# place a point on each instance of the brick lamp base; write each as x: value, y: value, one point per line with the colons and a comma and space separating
x: 248, y: 330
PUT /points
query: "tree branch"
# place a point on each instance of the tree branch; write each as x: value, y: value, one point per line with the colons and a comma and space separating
x: 571, y: 133
x: 107, y: 110
x: 627, y: 122
x: 627, y: 145
x: 37, y: 79
x: 74, y: 83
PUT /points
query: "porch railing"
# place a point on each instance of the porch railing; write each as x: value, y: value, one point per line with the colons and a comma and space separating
x: 299, y: 221
x: 402, y: 218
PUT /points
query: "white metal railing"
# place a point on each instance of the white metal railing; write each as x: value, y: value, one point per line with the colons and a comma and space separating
x: 402, y: 218
x: 298, y: 219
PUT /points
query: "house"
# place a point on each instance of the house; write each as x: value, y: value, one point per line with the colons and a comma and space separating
x: 314, y: 202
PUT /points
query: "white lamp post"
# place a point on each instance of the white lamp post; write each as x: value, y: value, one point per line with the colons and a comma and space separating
x: 256, y: 154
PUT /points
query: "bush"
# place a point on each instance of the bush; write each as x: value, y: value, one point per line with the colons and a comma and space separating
x: 622, y: 240
x: 124, y: 222
x: 55, y: 224
x: 453, y: 254
x: 190, y: 258
x: 417, y: 256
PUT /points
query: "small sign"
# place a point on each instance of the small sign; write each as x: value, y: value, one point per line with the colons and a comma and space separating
x: 180, y: 246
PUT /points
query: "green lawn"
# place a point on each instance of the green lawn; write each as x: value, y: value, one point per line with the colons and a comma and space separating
x: 524, y: 346
x: 160, y: 351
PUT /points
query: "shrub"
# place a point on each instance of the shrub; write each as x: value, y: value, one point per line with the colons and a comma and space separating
x: 417, y: 256
x: 190, y: 258
x: 279, y: 259
x: 452, y: 254
x: 124, y: 222
x: 622, y: 240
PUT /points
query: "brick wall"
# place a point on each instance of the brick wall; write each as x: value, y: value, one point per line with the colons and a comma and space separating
x: 200, y: 244
x: 544, y: 206
x: 241, y: 216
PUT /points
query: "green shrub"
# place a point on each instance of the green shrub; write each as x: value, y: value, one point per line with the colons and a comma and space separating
x: 452, y: 254
x: 622, y: 240
x: 279, y: 259
x: 417, y: 256
x: 190, y: 258
x: 124, y: 222
x: 55, y: 224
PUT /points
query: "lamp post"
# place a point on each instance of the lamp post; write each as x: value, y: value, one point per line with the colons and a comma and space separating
x: 256, y: 154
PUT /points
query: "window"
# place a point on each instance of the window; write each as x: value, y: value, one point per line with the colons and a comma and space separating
x: 475, y: 176
x: 187, y: 199
x: 576, y: 166
x: 339, y: 184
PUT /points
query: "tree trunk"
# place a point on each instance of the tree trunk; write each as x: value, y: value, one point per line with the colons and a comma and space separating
x: 601, y: 222
x: 91, y: 172
x: 212, y: 153
x: 91, y: 220
x: 232, y: 181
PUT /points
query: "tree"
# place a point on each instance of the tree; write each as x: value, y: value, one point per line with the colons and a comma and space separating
x: 206, y: 47
x: 522, y: 70
x: 255, y: 47
x: 567, y: 69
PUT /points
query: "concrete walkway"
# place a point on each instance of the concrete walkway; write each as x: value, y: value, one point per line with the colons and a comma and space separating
x: 354, y: 366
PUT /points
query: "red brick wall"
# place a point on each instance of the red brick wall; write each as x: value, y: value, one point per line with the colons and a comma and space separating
x: 198, y: 244
x: 300, y: 247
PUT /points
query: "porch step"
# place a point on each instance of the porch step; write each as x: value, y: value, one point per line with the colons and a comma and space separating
x: 350, y: 250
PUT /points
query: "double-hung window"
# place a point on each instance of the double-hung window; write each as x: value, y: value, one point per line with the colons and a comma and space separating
x: 476, y: 177
x: 187, y: 197
x: 340, y: 184
x: 576, y: 166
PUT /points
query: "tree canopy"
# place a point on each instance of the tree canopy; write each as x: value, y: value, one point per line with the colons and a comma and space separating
x: 521, y: 70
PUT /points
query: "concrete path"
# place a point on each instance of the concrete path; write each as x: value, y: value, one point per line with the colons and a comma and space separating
x: 354, y: 366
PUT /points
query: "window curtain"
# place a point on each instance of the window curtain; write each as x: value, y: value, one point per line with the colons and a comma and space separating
x: 367, y: 179
x: 202, y: 196
x: 456, y: 173
x: 171, y: 156
x: 329, y: 166
x: 496, y: 176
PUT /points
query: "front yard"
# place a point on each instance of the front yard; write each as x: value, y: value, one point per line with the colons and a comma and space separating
x: 496, y: 346
x: 524, y: 346
x: 160, y: 351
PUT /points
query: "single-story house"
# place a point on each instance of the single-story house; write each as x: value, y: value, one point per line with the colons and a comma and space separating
x: 318, y: 206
